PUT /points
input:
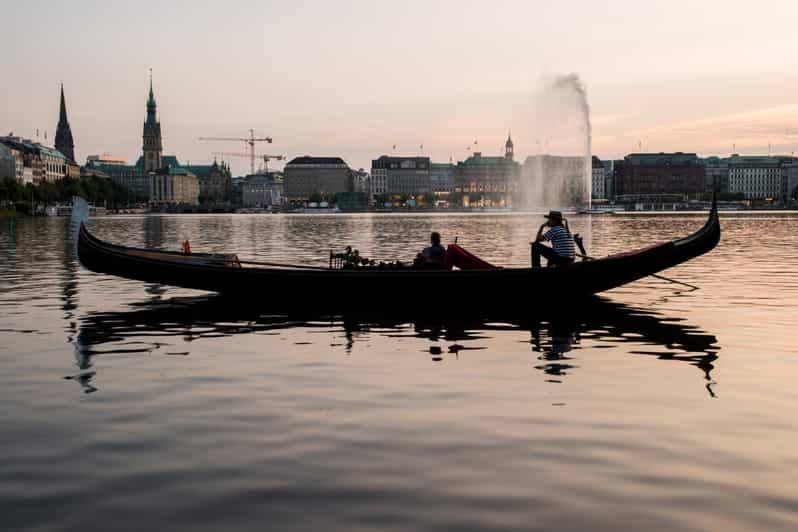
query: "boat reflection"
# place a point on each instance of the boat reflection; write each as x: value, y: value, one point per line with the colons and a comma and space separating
x: 553, y: 338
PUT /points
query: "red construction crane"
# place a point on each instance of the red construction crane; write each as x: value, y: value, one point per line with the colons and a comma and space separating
x: 266, y: 158
x: 249, y: 141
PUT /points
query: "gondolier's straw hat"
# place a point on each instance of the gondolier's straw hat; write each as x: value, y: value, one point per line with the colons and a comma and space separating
x: 553, y: 215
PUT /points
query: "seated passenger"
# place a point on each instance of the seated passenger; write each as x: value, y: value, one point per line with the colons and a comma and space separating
x: 434, y: 255
x: 435, y: 252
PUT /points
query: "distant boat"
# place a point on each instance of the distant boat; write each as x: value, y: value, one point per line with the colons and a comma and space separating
x: 475, y: 287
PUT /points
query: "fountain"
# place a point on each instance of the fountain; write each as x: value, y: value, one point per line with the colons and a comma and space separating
x: 560, y: 174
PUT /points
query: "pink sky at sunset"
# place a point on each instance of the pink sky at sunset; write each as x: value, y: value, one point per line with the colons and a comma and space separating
x: 354, y: 78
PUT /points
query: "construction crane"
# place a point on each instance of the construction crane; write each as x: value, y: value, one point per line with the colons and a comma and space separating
x: 249, y: 141
x: 266, y: 158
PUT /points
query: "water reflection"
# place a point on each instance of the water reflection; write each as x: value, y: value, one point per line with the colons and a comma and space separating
x: 553, y: 337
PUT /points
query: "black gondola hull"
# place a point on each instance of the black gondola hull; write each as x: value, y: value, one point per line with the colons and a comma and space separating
x: 416, y: 286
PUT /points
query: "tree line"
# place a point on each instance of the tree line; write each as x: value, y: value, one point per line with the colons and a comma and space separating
x: 96, y: 190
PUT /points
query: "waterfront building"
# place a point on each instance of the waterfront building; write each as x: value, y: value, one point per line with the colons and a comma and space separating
x: 717, y: 174
x: 63, y: 133
x: 262, y: 190
x: 599, y: 182
x: 609, y: 180
x: 215, y: 182
x: 360, y: 181
x: 308, y: 176
x: 11, y: 164
x: 493, y: 178
x: 660, y: 173
x: 791, y: 180
x: 106, y: 159
x: 756, y: 177
x: 408, y: 176
x: 53, y: 164
x: 131, y: 177
x: 40, y: 163
x: 441, y: 178
x: 378, y: 182
x: 171, y: 186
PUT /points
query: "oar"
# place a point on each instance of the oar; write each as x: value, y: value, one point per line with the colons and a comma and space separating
x: 662, y: 277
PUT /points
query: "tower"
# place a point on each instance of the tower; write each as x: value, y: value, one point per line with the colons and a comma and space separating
x: 153, y: 144
x: 63, y: 134
x: 508, y: 148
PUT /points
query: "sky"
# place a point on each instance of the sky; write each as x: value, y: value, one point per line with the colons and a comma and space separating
x: 354, y: 78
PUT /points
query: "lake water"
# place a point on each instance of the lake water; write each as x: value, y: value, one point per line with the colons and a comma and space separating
x: 128, y: 406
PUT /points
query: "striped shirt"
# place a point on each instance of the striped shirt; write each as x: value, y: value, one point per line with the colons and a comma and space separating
x: 561, y: 241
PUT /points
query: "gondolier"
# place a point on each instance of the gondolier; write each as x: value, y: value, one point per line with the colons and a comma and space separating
x: 562, y: 244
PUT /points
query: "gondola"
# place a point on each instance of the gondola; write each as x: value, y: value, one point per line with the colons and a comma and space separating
x: 500, y: 286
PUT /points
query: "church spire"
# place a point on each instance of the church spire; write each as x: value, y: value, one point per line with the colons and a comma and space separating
x: 508, y: 147
x: 63, y: 133
x: 62, y: 119
x: 152, y: 140
x: 151, y: 105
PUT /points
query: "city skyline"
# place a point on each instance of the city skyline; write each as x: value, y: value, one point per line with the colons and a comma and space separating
x: 356, y: 96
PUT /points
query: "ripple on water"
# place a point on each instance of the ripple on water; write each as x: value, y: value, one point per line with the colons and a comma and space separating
x: 655, y: 408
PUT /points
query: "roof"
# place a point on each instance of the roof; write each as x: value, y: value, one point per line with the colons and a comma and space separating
x: 30, y: 147
x: 166, y: 160
x: 114, y: 169
x: 482, y: 160
x: 307, y: 159
x: 178, y: 170
x: 393, y: 158
x: 205, y: 170
x: 754, y: 159
x: 662, y: 158
x: 50, y: 151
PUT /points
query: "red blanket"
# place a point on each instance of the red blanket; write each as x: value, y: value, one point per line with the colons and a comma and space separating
x: 457, y: 256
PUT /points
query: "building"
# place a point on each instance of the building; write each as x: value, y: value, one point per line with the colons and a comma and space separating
x: 599, y: 181
x: 53, y: 164
x: 63, y: 133
x: 106, y: 159
x: 131, y: 177
x: 360, y: 181
x: 40, y: 163
x: 215, y: 182
x: 717, y: 174
x: 609, y: 178
x: 174, y: 181
x: 791, y: 180
x: 660, y: 174
x: 262, y: 190
x: 378, y: 182
x: 408, y: 176
x: 756, y: 177
x: 307, y: 177
x: 11, y: 164
x: 493, y: 179
x: 152, y: 145
x: 441, y: 178
x: 173, y: 185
